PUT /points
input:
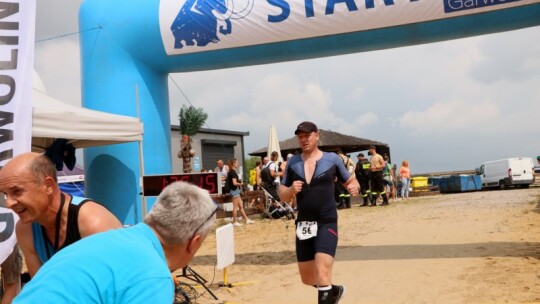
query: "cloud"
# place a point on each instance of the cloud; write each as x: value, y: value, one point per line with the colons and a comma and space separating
x: 509, y: 57
x: 450, y: 117
x: 366, y: 119
x: 356, y: 94
x: 284, y: 100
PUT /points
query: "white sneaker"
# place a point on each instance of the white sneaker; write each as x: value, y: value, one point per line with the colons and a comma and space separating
x: 249, y: 222
x: 237, y: 224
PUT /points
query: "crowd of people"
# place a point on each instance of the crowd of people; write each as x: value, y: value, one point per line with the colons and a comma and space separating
x: 378, y: 179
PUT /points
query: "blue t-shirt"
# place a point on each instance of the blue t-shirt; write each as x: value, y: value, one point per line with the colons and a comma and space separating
x: 126, y: 265
x: 316, y: 200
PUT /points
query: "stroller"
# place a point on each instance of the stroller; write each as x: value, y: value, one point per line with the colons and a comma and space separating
x: 274, y: 208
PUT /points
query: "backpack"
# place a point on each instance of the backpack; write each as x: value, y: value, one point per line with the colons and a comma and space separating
x: 266, y: 177
x: 252, y: 177
x: 386, y: 169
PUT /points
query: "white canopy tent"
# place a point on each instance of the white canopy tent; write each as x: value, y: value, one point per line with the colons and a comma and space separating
x: 52, y: 119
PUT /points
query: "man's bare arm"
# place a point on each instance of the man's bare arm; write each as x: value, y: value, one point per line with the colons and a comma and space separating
x: 25, y: 240
x: 352, y: 185
x: 94, y: 218
x: 286, y: 194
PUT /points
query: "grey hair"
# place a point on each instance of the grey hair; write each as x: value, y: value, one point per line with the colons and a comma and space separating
x: 179, y: 210
x: 41, y: 167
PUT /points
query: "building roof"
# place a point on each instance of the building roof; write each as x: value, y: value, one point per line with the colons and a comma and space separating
x: 328, y: 141
x: 214, y: 131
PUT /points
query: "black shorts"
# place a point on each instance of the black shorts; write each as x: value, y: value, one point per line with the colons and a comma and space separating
x: 325, y: 242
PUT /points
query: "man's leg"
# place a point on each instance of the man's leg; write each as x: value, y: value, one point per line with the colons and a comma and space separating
x: 364, y: 189
x: 328, y: 293
x: 307, y: 272
x: 373, y: 191
x: 379, y: 186
x: 323, y: 269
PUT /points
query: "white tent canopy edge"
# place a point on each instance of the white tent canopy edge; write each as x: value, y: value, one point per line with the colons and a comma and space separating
x: 53, y: 119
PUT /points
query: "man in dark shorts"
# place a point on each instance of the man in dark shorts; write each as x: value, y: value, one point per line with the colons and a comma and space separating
x: 363, y: 175
x: 310, y: 177
x: 377, y: 179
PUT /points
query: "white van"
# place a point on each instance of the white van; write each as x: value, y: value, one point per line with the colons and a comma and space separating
x: 517, y: 171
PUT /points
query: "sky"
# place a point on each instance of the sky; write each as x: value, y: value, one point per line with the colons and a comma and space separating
x: 442, y: 106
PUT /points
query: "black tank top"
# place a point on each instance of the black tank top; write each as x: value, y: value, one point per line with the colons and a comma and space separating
x: 43, y: 246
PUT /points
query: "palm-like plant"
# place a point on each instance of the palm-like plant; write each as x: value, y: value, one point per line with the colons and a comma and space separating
x: 191, y: 119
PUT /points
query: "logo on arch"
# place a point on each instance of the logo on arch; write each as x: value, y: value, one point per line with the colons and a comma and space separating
x: 201, y: 22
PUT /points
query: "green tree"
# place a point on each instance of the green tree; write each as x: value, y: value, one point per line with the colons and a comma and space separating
x: 250, y: 162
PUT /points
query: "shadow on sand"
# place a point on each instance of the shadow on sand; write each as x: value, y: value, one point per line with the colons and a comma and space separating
x: 537, y: 209
x: 393, y: 252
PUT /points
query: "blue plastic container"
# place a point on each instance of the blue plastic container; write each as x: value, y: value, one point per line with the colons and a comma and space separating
x: 435, y: 181
x: 460, y: 183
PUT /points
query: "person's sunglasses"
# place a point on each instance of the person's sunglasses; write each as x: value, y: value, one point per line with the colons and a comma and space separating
x: 207, y: 219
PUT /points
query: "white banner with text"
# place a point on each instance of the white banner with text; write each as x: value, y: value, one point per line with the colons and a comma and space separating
x: 189, y: 26
x: 17, y: 34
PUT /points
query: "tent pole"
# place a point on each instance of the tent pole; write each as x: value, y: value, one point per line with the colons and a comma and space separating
x: 141, y: 159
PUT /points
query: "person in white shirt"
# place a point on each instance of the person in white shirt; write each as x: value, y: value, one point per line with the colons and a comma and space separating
x: 222, y: 171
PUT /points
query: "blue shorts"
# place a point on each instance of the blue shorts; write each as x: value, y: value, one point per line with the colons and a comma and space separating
x: 234, y: 193
x: 325, y: 242
x: 387, y: 181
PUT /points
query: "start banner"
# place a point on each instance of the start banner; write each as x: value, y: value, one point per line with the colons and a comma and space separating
x: 189, y: 26
x: 17, y: 32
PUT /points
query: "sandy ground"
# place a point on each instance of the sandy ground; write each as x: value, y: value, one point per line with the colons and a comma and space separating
x: 481, y: 247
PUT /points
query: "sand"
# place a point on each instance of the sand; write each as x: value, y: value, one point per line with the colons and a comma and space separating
x: 480, y: 247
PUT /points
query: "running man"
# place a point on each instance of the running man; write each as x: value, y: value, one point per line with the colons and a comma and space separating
x: 310, y: 177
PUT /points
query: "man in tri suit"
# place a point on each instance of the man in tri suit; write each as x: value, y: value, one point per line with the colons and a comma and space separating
x: 310, y: 177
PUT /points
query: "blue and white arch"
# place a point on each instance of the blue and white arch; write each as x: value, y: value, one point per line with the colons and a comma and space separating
x: 139, y: 44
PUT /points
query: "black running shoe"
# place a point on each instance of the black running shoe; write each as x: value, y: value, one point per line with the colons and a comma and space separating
x: 339, y: 292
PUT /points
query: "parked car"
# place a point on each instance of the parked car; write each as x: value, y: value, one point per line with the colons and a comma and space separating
x: 508, y: 172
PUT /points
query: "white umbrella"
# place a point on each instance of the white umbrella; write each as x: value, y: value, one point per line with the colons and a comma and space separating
x: 273, y: 143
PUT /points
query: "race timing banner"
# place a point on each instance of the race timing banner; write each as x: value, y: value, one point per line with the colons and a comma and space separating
x: 17, y: 32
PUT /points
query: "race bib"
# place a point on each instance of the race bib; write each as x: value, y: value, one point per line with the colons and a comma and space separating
x: 306, y: 230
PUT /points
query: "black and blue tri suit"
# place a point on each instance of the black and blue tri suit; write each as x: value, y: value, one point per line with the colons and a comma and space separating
x: 315, y: 202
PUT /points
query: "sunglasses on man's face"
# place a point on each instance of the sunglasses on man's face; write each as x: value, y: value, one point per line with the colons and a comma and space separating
x: 207, y: 219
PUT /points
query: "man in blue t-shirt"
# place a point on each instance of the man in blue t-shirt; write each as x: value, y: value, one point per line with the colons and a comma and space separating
x: 310, y: 177
x: 129, y: 265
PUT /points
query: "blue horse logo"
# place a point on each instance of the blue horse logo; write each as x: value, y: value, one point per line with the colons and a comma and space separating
x: 199, y: 21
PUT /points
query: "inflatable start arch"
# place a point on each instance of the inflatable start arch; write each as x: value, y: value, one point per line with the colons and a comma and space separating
x: 139, y: 44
